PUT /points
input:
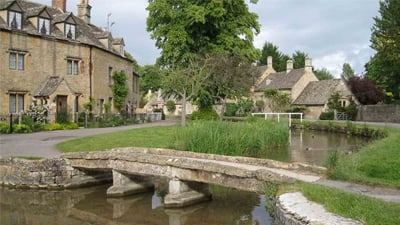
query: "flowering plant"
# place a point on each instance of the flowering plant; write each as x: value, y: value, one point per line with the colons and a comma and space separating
x: 38, y: 113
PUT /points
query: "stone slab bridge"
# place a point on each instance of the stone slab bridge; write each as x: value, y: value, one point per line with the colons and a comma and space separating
x: 189, y: 173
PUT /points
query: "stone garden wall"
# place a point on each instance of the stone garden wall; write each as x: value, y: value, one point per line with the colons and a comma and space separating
x: 379, y: 113
x: 46, y: 174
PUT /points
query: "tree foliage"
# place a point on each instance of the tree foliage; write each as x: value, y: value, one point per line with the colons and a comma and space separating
x: 323, y: 74
x: 384, y: 66
x: 278, y: 101
x: 182, y: 29
x: 150, y: 79
x: 120, y: 89
x: 299, y: 59
x: 279, y: 59
x: 365, y: 90
x: 347, y: 72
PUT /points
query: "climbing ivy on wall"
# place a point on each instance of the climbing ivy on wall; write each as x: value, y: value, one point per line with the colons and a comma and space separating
x: 120, y: 89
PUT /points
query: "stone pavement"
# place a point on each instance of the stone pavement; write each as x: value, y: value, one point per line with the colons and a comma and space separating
x: 43, y: 144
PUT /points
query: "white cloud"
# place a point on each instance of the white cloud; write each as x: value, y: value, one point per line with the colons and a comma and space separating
x: 332, y: 62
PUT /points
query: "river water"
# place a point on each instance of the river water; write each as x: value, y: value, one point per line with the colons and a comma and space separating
x: 89, y: 206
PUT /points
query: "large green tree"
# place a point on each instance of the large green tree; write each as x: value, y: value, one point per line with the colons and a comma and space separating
x: 150, y: 79
x: 384, y: 66
x: 278, y: 58
x: 347, y: 72
x: 323, y: 74
x: 299, y: 59
x: 182, y: 29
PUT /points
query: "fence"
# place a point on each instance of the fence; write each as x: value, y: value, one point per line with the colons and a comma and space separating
x: 279, y: 115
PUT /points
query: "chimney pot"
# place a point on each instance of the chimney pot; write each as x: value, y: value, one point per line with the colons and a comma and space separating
x: 59, y: 4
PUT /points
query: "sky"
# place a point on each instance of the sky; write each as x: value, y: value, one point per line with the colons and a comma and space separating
x: 331, y: 32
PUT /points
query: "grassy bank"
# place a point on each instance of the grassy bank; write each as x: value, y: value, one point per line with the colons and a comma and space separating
x: 228, y: 138
x: 356, y: 206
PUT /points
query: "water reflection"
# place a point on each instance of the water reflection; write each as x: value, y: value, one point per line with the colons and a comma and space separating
x: 313, y: 147
x: 90, y: 206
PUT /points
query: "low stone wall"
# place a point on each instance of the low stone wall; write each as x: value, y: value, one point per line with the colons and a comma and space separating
x: 379, y: 113
x: 295, y: 209
x: 46, y: 174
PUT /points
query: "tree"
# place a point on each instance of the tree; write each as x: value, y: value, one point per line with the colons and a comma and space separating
x: 278, y: 58
x: 347, y: 72
x: 323, y: 74
x: 299, y: 59
x: 384, y: 66
x: 135, y: 64
x: 230, y: 78
x: 185, y: 83
x: 278, y: 101
x: 150, y: 79
x: 183, y: 29
x: 120, y: 90
x: 365, y: 90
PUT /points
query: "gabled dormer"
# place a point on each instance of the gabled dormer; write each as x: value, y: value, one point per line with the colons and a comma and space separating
x: 67, y: 24
x: 105, y: 38
x: 119, y: 46
x: 41, y: 19
x: 12, y: 12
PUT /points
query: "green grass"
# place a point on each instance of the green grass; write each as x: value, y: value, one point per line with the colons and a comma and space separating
x: 356, y: 206
x: 146, y: 137
x: 378, y: 163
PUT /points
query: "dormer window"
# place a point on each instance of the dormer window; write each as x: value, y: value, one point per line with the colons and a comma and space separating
x: 15, y: 20
x: 44, y: 26
x: 70, y: 31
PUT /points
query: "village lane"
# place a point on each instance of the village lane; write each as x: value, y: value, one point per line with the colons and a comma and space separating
x: 43, y: 144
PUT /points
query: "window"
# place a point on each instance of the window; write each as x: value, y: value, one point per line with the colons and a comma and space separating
x: 72, y: 67
x: 17, y: 61
x: 110, y: 76
x: 70, y: 31
x: 16, y: 103
x: 15, y: 20
x: 135, y: 85
x: 44, y: 26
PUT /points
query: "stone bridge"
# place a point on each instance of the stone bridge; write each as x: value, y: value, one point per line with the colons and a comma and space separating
x: 189, y: 173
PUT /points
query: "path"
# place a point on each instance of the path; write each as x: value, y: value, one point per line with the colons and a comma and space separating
x: 43, y: 144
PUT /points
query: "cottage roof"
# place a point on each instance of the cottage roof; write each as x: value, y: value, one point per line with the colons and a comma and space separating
x: 86, y: 32
x: 282, y: 80
x: 318, y: 92
x: 50, y: 85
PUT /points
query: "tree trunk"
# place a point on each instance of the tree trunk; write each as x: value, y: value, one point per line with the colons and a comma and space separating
x: 223, y: 108
x: 183, y: 114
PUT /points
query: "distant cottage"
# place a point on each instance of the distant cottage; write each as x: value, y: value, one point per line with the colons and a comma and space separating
x: 52, y: 57
x: 302, y: 85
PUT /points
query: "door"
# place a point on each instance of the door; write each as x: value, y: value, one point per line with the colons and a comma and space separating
x: 62, y: 109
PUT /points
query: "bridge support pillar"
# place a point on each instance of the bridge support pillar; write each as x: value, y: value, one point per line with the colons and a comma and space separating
x: 184, y: 193
x: 125, y: 184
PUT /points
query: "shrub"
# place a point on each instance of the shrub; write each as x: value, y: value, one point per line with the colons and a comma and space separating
x: 4, y: 128
x: 53, y: 126
x: 63, y: 116
x: 21, y: 128
x: 231, y: 109
x: 171, y: 107
x: 209, y: 114
x: 327, y: 116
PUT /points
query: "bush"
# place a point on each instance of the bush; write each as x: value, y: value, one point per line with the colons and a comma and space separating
x: 53, y: 126
x: 171, y: 106
x: 21, y: 128
x: 63, y: 116
x: 209, y: 114
x: 4, y: 128
x: 231, y: 109
x: 327, y: 116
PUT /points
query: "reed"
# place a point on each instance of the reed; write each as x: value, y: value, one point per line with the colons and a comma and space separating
x: 231, y: 138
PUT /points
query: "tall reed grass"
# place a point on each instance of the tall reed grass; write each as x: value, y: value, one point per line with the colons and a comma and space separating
x: 231, y: 138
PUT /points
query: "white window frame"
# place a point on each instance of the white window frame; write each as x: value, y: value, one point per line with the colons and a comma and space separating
x: 46, y: 23
x: 70, y: 28
x: 18, y: 19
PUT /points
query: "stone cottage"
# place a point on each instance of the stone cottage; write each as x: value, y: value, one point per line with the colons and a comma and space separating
x: 317, y: 93
x: 54, y: 58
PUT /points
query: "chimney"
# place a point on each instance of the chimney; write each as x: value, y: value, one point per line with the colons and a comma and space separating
x: 84, y: 10
x: 269, y: 61
x: 59, y: 4
x: 308, y: 64
x: 289, y: 66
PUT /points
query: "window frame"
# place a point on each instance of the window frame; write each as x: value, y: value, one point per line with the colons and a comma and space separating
x: 110, y: 76
x: 47, y: 25
x: 16, y: 61
x: 73, y: 31
x: 18, y: 104
x: 18, y: 16
x: 73, y: 67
